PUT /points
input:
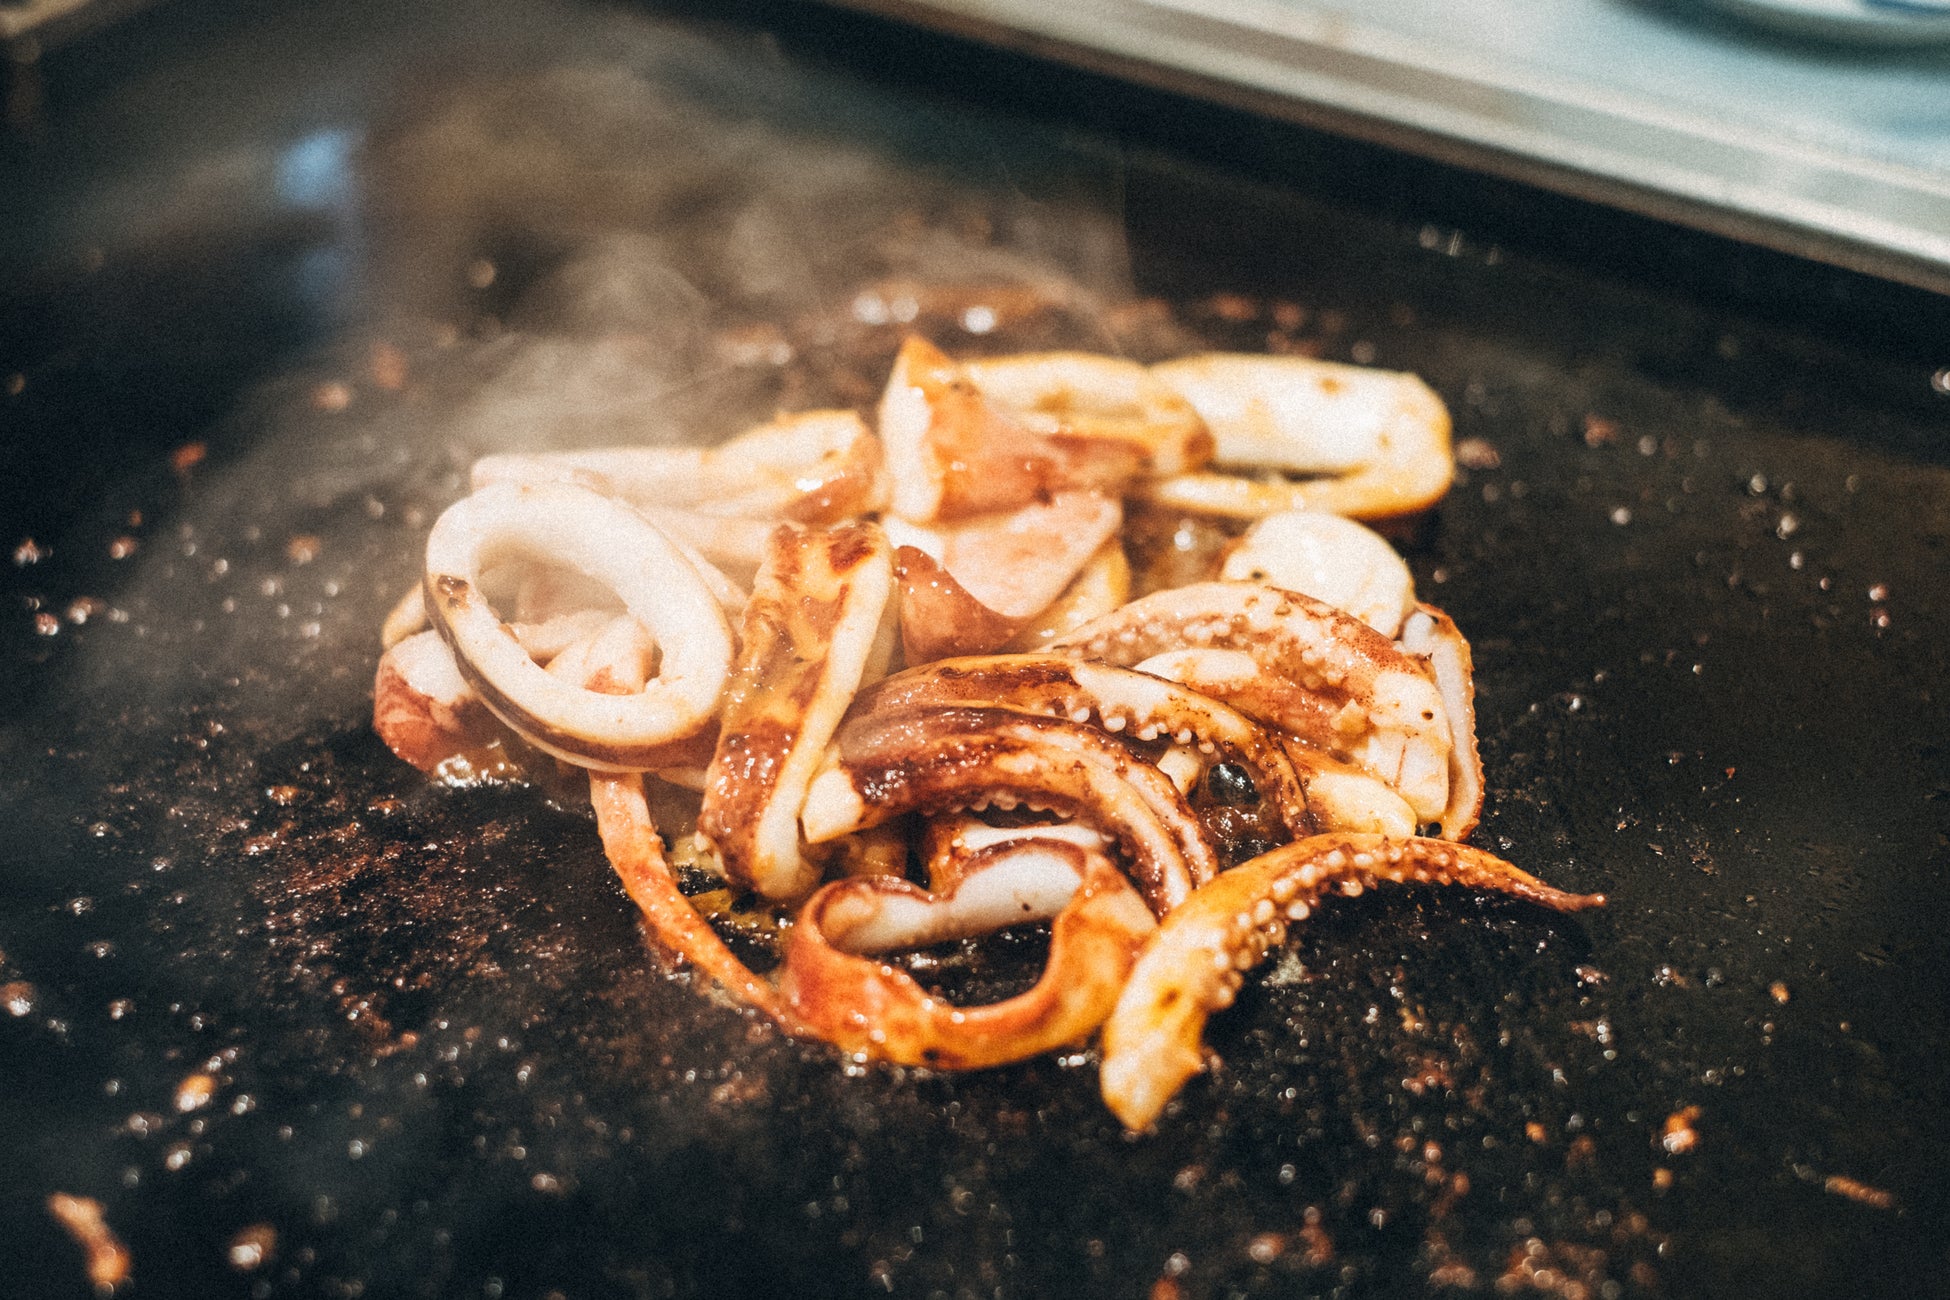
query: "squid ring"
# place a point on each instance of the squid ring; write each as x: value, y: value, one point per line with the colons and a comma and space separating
x: 605, y: 540
x: 1378, y: 439
x: 874, y: 1010
x: 1194, y: 964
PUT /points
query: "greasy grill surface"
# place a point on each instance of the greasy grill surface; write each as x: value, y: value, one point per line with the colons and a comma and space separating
x: 1700, y: 559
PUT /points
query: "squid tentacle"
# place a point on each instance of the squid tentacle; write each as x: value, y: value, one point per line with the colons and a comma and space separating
x: 882, y: 765
x: 1294, y: 663
x: 1123, y: 702
x: 872, y: 1009
x: 636, y: 853
x: 1193, y: 966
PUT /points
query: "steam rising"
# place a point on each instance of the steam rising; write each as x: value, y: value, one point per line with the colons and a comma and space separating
x: 670, y: 221
x: 596, y: 229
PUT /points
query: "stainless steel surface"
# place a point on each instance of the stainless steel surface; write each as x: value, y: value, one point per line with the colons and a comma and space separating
x: 1834, y: 154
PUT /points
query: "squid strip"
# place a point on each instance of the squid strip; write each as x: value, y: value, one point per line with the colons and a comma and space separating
x: 812, y: 632
x: 1054, y: 422
x: 1335, y: 560
x: 938, y: 616
x: 1378, y: 439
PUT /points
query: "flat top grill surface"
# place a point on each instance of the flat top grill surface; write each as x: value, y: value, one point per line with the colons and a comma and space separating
x: 250, y: 346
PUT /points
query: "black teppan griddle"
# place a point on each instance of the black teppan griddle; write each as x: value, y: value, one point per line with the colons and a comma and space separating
x: 1699, y: 544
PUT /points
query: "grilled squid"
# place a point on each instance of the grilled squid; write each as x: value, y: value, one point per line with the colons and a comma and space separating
x: 811, y: 632
x: 1050, y: 753
x: 637, y: 854
x: 421, y: 705
x: 885, y: 763
x: 653, y: 579
x: 866, y: 1007
x: 1193, y: 966
x: 1433, y: 635
x: 814, y: 467
x: 1372, y: 443
x: 1294, y: 663
x: 998, y: 435
x: 969, y: 587
x: 1332, y: 559
x: 1201, y: 732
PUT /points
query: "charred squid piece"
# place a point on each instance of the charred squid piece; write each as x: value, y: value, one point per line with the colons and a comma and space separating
x: 938, y: 616
x: 968, y: 587
x: 1373, y: 443
x: 811, y: 633
x: 815, y: 467
x: 1205, y: 736
x: 1195, y: 963
x: 636, y: 852
x: 872, y: 1010
x: 1295, y: 664
x: 884, y: 764
x: 1100, y: 586
x: 998, y: 435
x: 657, y: 585
x: 1433, y: 634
